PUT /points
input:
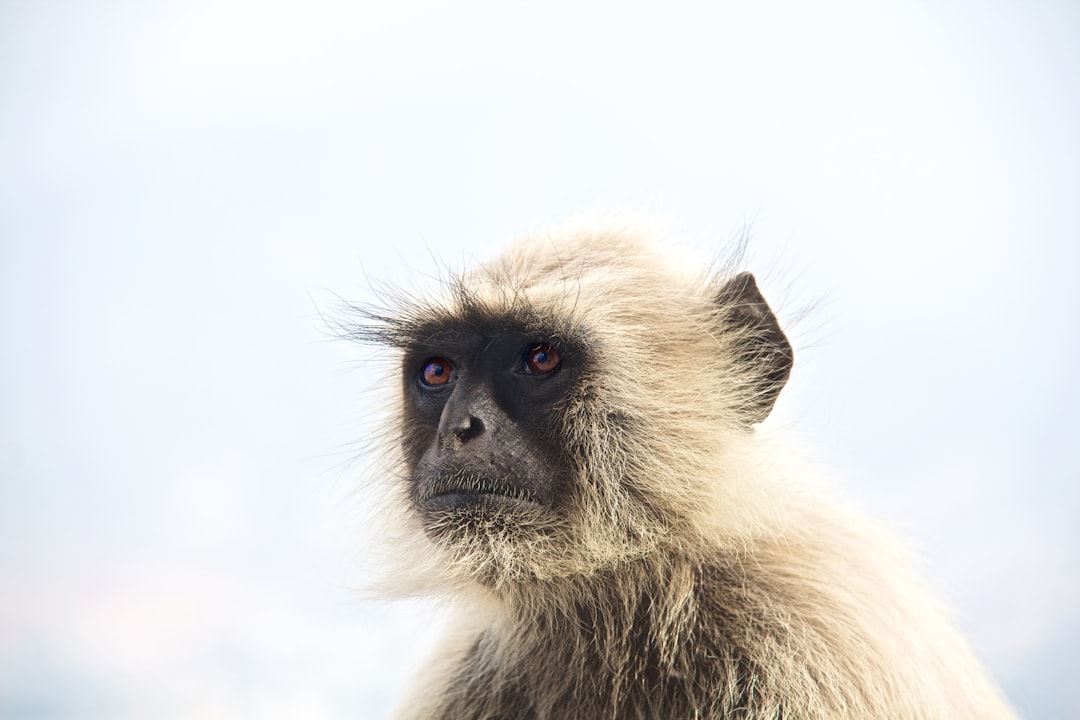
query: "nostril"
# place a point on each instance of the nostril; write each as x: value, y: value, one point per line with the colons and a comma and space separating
x: 470, y: 428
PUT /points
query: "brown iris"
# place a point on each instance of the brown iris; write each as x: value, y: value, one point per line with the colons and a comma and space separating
x: 542, y: 358
x: 437, y: 371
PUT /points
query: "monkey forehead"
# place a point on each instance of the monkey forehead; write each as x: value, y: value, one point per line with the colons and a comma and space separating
x: 625, y: 251
x: 583, y: 282
x: 535, y: 291
x: 596, y: 277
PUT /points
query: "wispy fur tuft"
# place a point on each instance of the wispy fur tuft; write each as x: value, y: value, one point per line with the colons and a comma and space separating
x: 698, y: 571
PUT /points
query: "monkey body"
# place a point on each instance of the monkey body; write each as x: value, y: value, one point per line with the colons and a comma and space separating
x: 582, y: 470
x: 744, y: 634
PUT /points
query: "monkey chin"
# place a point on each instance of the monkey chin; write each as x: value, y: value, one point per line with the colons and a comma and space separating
x: 494, y: 533
x: 457, y: 509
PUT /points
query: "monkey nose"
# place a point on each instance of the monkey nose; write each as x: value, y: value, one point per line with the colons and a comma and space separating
x: 461, y: 431
x: 468, y: 428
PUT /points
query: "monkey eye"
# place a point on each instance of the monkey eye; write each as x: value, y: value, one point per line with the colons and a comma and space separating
x: 437, y: 372
x: 542, y: 358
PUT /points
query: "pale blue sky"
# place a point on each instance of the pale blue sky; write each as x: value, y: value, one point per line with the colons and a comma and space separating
x: 182, y: 183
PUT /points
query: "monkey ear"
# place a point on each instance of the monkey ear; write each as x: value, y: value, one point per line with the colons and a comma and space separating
x: 763, y: 352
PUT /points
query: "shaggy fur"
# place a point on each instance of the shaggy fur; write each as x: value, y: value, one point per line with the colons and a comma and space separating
x: 697, y: 572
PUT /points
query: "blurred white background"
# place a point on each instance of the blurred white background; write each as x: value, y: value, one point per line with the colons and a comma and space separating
x: 184, y: 185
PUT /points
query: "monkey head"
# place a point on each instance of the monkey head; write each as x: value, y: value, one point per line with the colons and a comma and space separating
x: 554, y: 401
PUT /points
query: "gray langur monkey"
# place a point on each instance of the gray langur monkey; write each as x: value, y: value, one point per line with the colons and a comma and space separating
x: 576, y: 461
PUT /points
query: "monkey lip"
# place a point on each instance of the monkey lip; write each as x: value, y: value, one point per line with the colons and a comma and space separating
x: 470, y: 492
x: 463, y: 500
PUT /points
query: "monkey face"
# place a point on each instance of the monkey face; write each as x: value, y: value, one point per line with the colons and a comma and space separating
x: 482, y: 407
x: 569, y: 406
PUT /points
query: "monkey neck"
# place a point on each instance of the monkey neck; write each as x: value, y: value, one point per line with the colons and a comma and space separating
x: 611, y: 611
x: 631, y: 636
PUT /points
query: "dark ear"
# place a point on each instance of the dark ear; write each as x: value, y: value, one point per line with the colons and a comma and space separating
x: 763, y: 351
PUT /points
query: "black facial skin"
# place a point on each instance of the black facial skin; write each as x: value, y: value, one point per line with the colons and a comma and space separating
x: 482, y: 418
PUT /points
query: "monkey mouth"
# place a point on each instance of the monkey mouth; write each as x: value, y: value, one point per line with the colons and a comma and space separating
x: 470, y: 491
